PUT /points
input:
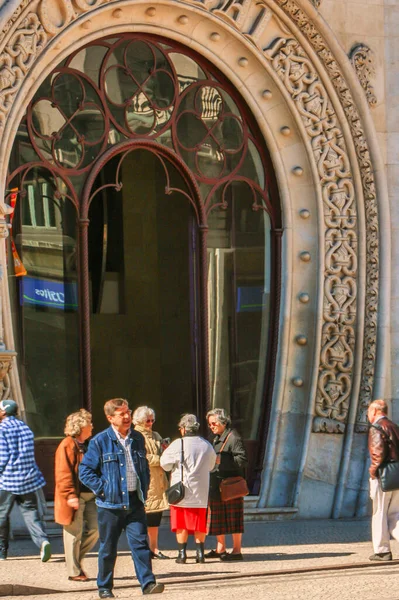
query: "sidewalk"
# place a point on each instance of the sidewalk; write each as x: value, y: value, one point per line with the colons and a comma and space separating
x: 286, y: 556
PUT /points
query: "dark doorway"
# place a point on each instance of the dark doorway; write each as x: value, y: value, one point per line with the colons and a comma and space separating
x: 142, y: 255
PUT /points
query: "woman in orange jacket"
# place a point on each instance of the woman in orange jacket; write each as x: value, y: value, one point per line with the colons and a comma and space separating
x: 74, y: 505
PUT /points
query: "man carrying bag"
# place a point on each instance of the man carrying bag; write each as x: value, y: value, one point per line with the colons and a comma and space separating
x: 383, y: 443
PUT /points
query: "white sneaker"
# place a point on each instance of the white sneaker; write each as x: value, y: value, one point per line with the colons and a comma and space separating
x: 45, y: 551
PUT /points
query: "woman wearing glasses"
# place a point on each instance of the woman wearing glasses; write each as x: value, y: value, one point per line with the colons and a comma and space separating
x: 225, y: 517
x: 143, y: 420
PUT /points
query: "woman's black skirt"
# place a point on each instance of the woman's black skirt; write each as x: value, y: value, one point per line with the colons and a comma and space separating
x: 154, y: 519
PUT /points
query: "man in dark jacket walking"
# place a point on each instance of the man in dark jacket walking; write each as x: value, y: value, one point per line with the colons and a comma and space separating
x: 383, y: 445
x: 116, y: 469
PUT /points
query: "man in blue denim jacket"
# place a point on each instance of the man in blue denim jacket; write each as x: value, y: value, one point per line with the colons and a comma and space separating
x: 116, y: 469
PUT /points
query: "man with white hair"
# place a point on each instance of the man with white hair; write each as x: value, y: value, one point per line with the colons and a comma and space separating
x: 383, y: 445
x: 20, y: 480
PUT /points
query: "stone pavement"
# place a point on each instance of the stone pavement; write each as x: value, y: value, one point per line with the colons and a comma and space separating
x: 283, y: 560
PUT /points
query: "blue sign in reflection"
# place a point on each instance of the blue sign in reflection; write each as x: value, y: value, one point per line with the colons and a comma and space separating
x: 250, y: 299
x: 43, y: 292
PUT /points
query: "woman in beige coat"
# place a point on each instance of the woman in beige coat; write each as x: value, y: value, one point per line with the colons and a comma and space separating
x: 143, y: 420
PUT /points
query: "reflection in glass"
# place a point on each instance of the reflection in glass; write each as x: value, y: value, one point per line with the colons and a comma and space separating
x: 239, y: 307
x: 45, y: 236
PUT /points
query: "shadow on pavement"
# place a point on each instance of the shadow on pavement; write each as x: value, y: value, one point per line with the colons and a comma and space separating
x: 302, y: 555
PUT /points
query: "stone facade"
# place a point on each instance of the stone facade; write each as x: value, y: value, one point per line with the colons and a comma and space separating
x: 322, y: 83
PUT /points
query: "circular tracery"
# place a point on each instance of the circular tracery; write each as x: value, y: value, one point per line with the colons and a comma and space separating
x: 136, y: 86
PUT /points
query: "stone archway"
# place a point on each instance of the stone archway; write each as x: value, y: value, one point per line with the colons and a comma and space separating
x: 275, y: 54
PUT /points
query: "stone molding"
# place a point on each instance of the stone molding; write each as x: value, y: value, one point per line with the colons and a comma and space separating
x: 362, y: 59
x: 35, y: 23
x: 334, y: 386
x: 316, y: 40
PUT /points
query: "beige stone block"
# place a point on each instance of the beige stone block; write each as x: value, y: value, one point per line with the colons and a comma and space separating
x: 392, y: 110
x: 393, y: 180
x: 365, y: 22
x: 382, y: 142
x: 279, y: 118
x: 260, y: 83
x: 294, y: 157
x: 324, y: 455
x: 392, y: 20
x: 393, y: 148
x: 335, y: 17
x: 392, y: 52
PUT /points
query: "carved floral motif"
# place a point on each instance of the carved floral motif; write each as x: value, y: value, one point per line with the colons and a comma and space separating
x: 21, y: 51
x: 338, y: 340
x: 362, y: 59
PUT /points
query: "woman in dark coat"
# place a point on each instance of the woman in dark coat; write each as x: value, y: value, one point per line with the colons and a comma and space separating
x: 225, y: 517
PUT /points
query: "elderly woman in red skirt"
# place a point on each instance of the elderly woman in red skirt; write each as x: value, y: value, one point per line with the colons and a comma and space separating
x: 225, y: 517
x: 189, y: 516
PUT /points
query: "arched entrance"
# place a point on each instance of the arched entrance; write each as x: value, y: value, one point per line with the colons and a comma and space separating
x: 146, y: 198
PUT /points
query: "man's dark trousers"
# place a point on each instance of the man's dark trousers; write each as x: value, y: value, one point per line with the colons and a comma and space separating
x: 28, y: 505
x: 111, y: 523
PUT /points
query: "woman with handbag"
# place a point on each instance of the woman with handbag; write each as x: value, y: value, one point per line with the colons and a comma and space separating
x: 190, y: 459
x: 143, y: 420
x: 74, y: 504
x: 226, y: 516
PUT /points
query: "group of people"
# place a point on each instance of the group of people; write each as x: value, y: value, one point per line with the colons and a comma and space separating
x: 118, y: 482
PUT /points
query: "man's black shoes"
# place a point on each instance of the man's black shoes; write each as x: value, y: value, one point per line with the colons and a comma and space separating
x: 154, y: 588
x: 381, y: 556
x: 105, y: 594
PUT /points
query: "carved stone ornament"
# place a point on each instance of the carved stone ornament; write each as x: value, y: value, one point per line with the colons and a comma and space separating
x: 6, y: 358
x: 338, y: 341
x: 362, y: 59
x: 318, y: 43
x: 36, y: 22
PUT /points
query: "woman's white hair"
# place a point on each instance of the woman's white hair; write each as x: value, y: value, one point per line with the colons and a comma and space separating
x: 141, y: 414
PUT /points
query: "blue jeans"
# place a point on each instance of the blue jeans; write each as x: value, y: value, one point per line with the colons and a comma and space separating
x: 28, y: 504
x: 111, y: 523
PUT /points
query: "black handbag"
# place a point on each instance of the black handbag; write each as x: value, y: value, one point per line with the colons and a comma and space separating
x: 176, y: 492
x: 388, y: 472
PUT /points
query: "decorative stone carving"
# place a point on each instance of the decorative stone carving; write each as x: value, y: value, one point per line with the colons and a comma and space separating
x: 316, y: 40
x: 362, y: 59
x: 6, y: 357
x: 34, y: 23
x: 22, y: 50
x: 55, y: 14
x: 301, y: 80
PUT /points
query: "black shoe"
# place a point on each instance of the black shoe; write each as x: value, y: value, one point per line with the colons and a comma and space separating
x: 159, y: 555
x: 154, y: 588
x: 382, y: 556
x: 181, y: 557
x: 200, y: 556
x: 105, y: 594
x: 230, y: 557
x: 3, y: 553
x: 214, y: 554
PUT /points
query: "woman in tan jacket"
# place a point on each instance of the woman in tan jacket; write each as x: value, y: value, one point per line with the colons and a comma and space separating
x: 74, y: 505
x: 143, y: 420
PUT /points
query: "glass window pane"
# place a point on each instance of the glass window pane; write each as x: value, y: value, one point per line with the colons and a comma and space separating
x: 239, y: 307
x: 48, y: 300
